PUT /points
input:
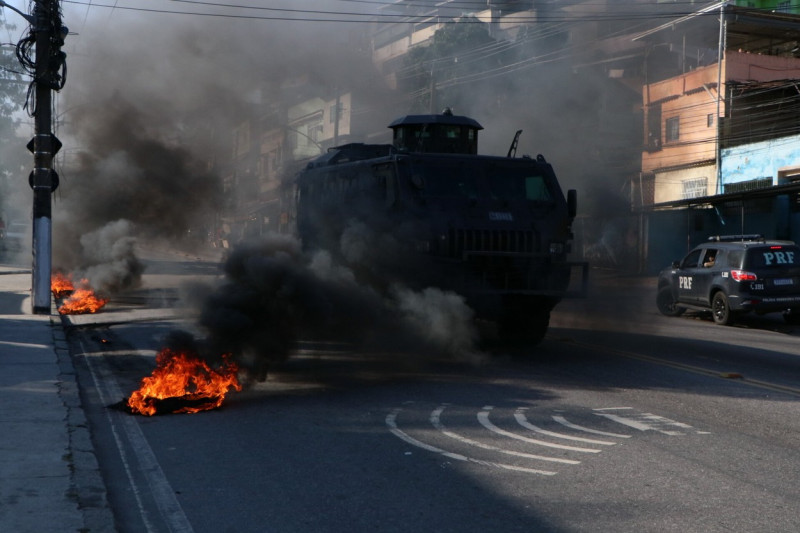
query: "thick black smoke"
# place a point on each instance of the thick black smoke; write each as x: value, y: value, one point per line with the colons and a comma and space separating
x: 149, y: 112
x: 132, y: 184
x: 274, y: 293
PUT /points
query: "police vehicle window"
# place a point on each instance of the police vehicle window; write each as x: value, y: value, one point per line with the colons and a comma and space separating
x: 735, y: 258
x: 691, y: 260
x: 773, y: 257
x: 709, y: 258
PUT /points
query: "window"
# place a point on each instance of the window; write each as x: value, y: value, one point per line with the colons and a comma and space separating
x: 691, y: 260
x: 710, y: 120
x: 749, y: 185
x: 673, y: 129
x: 695, y: 188
x: 653, y: 140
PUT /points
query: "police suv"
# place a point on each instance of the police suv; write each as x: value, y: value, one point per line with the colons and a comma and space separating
x: 734, y: 274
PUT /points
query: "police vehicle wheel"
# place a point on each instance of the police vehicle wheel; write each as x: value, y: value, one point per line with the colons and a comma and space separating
x: 666, y: 304
x: 720, y: 310
x: 792, y: 317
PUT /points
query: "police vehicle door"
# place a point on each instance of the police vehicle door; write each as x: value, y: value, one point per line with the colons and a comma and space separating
x: 701, y: 285
x: 688, y: 271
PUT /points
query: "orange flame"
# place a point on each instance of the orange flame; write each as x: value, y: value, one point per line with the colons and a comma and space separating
x: 82, y: 300
x: 61, y: 284
x: 184, y: 377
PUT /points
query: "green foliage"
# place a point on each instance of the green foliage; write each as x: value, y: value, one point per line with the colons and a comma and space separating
x: 14, y: 157
x: 449, y: 57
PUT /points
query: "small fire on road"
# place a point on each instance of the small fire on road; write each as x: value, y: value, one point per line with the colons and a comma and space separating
x: 183, y: 383
x: 77, y: 300
x: 61, y: 285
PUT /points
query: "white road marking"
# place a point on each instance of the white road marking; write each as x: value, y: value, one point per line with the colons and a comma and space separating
x: 163, y: 494
x: 483, y: 418
x: 391, y: 421
x: 647, y: 422
x: 564, y: 422
x: 437, y: 423
x: 522, y: 420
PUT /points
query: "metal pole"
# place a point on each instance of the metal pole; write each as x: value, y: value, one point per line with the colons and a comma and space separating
x: 44, y: 148
x: 720, y: 54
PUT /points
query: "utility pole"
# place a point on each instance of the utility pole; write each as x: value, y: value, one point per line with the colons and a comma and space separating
x: 49, y: 35
x: 49, y: 73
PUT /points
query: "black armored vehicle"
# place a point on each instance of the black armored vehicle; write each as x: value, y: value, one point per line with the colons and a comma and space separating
x: 731, y: 275
x: 428, y: 211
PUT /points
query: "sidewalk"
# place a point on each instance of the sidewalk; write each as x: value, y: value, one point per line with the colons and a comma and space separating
x: 49, y: 477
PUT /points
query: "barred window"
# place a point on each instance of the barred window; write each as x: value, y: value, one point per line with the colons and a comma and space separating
x: 749, y: 185
x: 695, y: 188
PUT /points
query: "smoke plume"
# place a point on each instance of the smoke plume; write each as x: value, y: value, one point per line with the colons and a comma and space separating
x: 274, y: 293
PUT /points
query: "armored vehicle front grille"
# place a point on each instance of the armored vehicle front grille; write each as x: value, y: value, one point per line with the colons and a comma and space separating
x: 484, y: 240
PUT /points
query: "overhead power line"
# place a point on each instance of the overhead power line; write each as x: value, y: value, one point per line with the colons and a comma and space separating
x: 315, y: 15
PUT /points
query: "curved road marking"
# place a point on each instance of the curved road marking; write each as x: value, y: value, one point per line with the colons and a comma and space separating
x: 519, y: 415
x: 483, y: 418
x: 391, y: 421
x: 436, y: 421
x: 564, y: 422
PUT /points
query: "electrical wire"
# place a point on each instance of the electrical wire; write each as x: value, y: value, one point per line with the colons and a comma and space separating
x: 312, y: 15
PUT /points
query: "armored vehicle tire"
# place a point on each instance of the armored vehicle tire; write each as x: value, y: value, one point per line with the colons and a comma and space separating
x: 666, y: 303
x: 525, y: 328
x: 720, y: 310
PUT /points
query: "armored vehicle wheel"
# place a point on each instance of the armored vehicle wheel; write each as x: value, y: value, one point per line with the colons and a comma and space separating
x: 525, y: 328
x: 720, y: 310
x: 666, y: 304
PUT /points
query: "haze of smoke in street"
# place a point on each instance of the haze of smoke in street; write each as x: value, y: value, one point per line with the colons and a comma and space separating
x: 149, y: 117
x: 274, y: 293
x: 110, y: 262
x: 146, y: 171
x: 148, y: 112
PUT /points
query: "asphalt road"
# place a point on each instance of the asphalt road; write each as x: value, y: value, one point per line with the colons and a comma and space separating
x: 622, y: 420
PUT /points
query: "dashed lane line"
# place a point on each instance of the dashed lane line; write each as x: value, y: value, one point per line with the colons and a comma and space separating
x: 148, y: 466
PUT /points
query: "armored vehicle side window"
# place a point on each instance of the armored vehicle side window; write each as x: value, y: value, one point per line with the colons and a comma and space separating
x: 536, y: 189
x: 447, y: 181
x: 773, y: 257
x: 691, y: 260
x: 517, y: 184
